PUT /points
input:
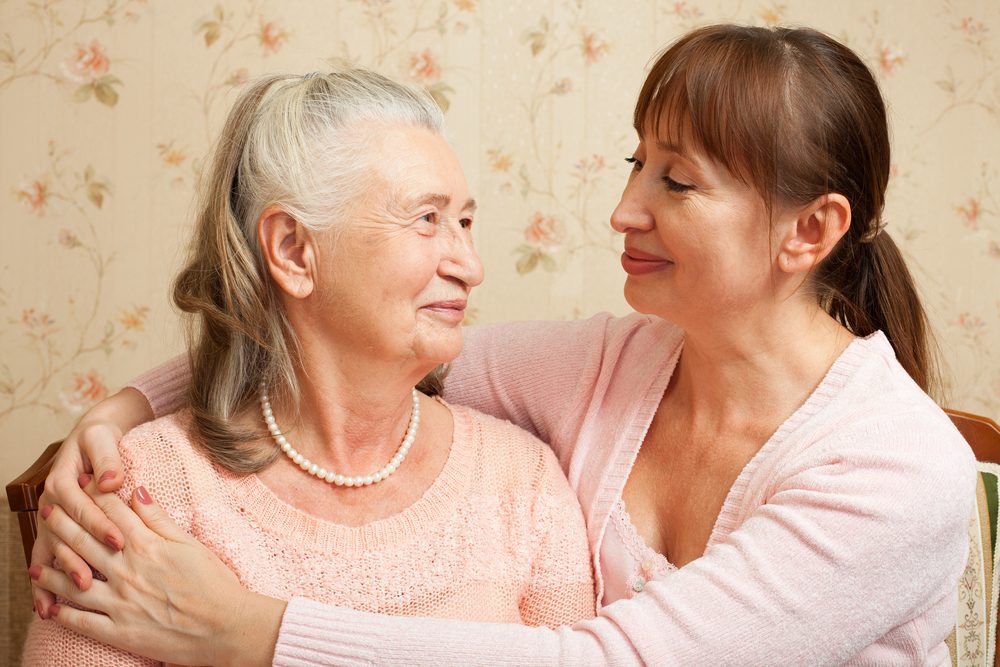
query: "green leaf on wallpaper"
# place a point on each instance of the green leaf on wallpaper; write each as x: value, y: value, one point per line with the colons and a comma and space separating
x: 439, y: 92
x: 96, y: 192
x: 105, y: 92
x: 537, y: 38
x: 106, y: 95
x: 527, y: 263
x: 548, y: 262
x: 83, y: 93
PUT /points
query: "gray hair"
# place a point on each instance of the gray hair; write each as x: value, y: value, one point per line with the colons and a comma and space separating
x: 290, y: 141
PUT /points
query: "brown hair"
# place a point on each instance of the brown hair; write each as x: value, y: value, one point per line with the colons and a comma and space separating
x: 796, y: 115
x: 292, y: 141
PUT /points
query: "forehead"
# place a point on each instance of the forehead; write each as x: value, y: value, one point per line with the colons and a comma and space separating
x: 411, y: 159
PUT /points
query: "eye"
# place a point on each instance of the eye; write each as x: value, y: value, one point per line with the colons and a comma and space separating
x: 635, y: 162
x: 430, y: 216
x: 675, y: 186
x: 465, y: 223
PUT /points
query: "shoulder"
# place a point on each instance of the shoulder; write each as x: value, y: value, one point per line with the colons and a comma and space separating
x: 877, y: 424
x: 507, y: 457
x: 168, y: 437
x: 163, y: 456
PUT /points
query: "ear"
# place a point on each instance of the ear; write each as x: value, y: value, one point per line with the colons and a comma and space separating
x: 288, y: 252
x: 816, y: 229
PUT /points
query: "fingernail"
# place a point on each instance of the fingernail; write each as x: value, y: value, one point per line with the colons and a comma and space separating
x: 76, y: 580
x: 54, y: 610
x: 35, y: 571
x: 46, y: 511
x: 144, y: 496
x: 113, y: 542
x: 83, y: 480
x: 106, y: 475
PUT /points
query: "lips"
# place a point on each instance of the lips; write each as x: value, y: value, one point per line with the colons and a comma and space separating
x: 452, y: 310
x: 636, y: 262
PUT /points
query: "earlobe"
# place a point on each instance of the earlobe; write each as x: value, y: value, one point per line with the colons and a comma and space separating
x: 288, y: 252
x: 817, y: 229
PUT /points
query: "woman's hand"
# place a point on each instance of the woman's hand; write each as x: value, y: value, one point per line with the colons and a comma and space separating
x: 167, y: 597
x: 90, y: 448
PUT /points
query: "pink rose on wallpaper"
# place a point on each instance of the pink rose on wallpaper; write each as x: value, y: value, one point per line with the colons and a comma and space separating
x: 543, y: 230
x: 88, y: 63
x: 970, y: 322
x: 271, y: 37
x: 37, y: 323
x: 972, y: 27
x: 970, y: 213
x: 890, y: 58
x: 466, y: 5
x: 33, y: 195
x: 424, y: 67
x: 85, y: 390
x: 594, y: 47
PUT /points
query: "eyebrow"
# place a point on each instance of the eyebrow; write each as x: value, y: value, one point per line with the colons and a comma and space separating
x: 443, y: 201
x: 669, y: 146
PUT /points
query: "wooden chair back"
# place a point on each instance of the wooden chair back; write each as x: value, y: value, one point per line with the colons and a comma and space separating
x: 23, y: 493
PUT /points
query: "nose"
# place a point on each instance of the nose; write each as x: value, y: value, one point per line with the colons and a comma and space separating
x: 460, y: 259
x: 632, y: 212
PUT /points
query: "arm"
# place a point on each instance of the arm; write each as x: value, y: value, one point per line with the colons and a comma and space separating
x: 532, y: 374
x: 851, y: 544
x: 92, y: 448
x: 842, y: 552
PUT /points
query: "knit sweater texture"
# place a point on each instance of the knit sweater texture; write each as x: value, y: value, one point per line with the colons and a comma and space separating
x: 840, y: 542
x: 498, y: 536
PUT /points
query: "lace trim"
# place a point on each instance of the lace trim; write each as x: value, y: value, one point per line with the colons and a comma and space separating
x: 649, y: 563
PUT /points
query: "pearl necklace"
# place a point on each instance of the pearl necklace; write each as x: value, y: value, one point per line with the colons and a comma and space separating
x: 329, y: 475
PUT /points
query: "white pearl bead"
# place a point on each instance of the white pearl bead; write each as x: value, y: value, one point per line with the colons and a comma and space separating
x: 328, y: 475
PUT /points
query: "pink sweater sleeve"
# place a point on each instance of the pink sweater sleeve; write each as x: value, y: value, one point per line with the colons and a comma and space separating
x: 533, y: 374
x: 166, y: 386
x: 792, y: 585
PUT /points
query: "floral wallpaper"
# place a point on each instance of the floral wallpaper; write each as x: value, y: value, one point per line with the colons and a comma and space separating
x: 108, y: 107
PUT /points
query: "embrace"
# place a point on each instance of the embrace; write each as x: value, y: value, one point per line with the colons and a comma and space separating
x: 747, y: 470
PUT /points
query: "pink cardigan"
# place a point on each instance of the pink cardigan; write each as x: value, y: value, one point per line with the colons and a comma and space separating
x: 840, y: 542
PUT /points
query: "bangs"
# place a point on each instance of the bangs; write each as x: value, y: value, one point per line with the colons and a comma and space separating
x: 721, y: 96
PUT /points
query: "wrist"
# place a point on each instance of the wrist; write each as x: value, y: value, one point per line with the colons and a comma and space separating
x: 122, y: 411
x: 249, y: 636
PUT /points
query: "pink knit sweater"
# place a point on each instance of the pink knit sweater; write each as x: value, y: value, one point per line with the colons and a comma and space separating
x: 498, y: 536
x: 840, y: 542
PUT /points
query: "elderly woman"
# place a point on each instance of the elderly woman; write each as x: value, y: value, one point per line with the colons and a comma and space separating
x: 329, y: 275
x: 764, y: 479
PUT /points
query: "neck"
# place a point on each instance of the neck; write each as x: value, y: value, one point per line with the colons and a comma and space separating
x: 353, y: 412
x: 756, y: 368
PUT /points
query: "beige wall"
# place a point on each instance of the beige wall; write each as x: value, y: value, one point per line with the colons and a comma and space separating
x: 107, y: 108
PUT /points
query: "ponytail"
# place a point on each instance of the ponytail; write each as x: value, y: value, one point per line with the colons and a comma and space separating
x: 867, y: 288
